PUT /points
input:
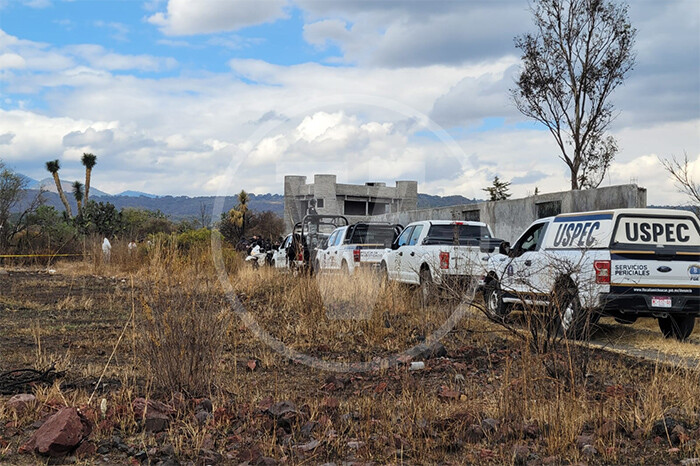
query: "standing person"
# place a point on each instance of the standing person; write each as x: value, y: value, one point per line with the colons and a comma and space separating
x: 312, y: 207
x: 106, y: 251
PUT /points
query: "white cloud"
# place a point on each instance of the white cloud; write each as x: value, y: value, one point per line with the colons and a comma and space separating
x: 99, y: 58
x: 185, y: 17
x: 11, y: 60
x: 322, y: 32
x: 119, y: 30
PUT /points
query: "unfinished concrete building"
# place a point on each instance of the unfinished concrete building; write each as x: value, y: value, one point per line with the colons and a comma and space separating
x: 356, y: 202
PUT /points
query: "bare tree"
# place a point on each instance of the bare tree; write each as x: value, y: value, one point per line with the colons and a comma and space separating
x: 204, y: 215
x: 685, y: 183
x: 580, y: 53
x: 13, y: 191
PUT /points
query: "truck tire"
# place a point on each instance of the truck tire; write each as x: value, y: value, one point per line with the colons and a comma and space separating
x: 496, y: 309
x: 384, y: 273
x: 677, y: 326
x: 344, y: 269
x: 427, y: 287
x: 570, y: 318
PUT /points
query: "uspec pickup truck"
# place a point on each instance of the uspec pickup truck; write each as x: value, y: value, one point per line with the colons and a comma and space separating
x: 360, y: 245
x: 437, y: 254
x: 622, y: 263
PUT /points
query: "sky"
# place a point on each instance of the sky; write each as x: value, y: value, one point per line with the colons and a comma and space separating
x: 205, y: 97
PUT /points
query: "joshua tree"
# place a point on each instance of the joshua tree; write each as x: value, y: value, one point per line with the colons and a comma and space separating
x: 243, y: 199
x: 53, y: 166
x: 89, y: 160
x: 78, y: 194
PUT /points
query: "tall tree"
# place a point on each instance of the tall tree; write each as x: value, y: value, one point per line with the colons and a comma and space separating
x: 78, y: 194
x: 242, y: 208
x: 89, y: 161
x: 580, y: 53
x: 498, y: 191
x: 53, y: 166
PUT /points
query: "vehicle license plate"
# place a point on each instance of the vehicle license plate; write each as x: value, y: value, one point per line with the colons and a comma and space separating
x: 660, y: 301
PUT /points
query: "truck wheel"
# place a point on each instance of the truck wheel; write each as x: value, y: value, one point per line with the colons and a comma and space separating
x: 677, y: 326
x: 384, y: 274
x: 496, y: 309
x: 344, y: 269
x: 570, y: 318
x: 427, y: 287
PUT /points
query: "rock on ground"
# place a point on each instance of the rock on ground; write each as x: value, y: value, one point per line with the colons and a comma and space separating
x: 19, y: 403
x: 60, y: 434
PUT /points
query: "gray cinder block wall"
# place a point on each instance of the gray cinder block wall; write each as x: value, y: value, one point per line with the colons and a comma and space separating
x: 370, y: 198
x: 508, y: 219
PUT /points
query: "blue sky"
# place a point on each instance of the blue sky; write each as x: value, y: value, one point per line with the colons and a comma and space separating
x: 170, y: 94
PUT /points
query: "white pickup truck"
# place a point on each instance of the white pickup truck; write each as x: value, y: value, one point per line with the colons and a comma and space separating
x: 623, y: 263
x: 354, y: 246
x: 439, y: 253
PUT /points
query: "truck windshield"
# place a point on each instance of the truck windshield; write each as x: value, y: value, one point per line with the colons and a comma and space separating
x: 457, y: 234
x: 373, y: 234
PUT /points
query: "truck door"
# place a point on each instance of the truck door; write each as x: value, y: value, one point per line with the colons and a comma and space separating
x: 327, y: 253
x: 411, y: 260
x: 395, y: 257
x: 524, y: 273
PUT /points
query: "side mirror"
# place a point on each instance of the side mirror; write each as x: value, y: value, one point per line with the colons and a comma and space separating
x: 395, y: 245
x: 504, y: 248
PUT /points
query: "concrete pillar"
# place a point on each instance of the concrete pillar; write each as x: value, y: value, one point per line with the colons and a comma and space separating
x: 324, y: 188
x: 407, y: 192
x: 292, y: 189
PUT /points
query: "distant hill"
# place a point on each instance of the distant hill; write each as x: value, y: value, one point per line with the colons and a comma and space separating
x: 427, y: 200
x: 137, y: 194
x: 175, y: 207
x: 184, y: 207
x: 50, y: 186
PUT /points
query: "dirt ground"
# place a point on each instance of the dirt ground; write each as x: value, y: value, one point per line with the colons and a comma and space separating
x: 474, y: 404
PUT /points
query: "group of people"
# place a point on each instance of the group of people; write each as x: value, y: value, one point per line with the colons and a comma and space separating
x: 247, y: 244
x: 107, y: 249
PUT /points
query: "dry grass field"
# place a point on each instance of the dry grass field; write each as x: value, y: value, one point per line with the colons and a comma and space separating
x: 160, y: 326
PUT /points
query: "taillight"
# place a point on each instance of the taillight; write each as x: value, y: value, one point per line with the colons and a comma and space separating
x: 356, y: 255
x: 444, y: 260
x: 602, y: 271
x: 300, y: 257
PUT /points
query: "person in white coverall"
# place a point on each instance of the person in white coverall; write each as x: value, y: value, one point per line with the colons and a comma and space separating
x: 106, y: 251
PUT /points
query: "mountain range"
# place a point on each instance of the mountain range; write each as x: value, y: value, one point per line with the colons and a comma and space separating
x: 185, y: 207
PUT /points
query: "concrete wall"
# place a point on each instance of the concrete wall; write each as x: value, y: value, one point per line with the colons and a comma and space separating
x: 508, y: 219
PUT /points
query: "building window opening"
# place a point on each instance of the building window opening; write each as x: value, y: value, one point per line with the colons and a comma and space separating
x: 471, y: 215
x: 548, y: 209
x: 355, y: 208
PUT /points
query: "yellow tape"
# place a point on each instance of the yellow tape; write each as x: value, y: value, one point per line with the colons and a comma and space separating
x: 41, y: 255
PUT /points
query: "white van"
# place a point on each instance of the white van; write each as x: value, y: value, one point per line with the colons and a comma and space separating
x: 624, y: 263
